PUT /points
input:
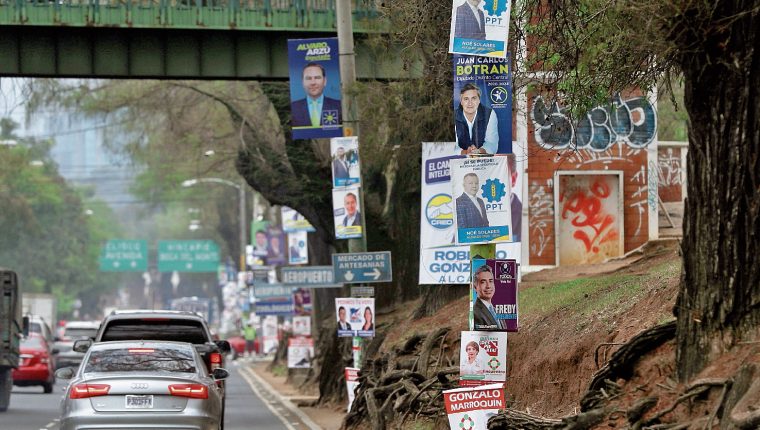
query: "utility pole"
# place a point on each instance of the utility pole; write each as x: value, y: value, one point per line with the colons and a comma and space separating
x: 242, y: 216
x: 350, y: 121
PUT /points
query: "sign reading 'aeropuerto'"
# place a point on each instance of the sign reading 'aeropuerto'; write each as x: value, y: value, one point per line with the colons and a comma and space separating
x: 311, y: 276
x: 188, y: 256
x: 362, y: 267
x: 124, y: 256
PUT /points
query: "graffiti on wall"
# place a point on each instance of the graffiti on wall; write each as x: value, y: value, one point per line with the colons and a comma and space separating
x: 541, y: 216
x: 632, y: 121
x: 671, y: 174
x: 589, y: 222
x: 641, y: 197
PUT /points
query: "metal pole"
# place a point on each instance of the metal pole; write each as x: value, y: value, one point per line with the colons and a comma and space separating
x: 241, y: 214
x: 350, y: 123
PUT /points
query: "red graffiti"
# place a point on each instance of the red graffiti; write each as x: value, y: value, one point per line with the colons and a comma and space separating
x: 589, y: 213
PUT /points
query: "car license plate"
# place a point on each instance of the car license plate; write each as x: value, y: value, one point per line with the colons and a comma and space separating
x: 139, y: 402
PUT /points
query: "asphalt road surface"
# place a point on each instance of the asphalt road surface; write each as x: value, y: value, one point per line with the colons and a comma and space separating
x: 31, y: 409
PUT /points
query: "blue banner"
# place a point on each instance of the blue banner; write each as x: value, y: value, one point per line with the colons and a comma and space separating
x: 315, y: 109
x: 483, y: 104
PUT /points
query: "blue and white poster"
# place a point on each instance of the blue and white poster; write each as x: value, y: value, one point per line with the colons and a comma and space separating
x: 314, y: 70
x: 346, y: 213
x: 479, y: 27
x: 481, y: 189
x: 298, y: 248
x: 346, y: 168
x: 483, y: 104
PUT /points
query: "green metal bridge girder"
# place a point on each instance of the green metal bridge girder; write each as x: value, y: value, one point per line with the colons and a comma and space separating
x: 174, y: 39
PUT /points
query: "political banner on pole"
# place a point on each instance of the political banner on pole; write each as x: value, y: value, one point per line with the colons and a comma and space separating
x: 483, y: 358
x: 302, y: 301
x: 314, y: 69
x: 355, y: 316
x: 441, y: 260
x: 269, y: 334
x: 292, y: 221
x: 302, y: 326
x: 479, y: 27
x: 300, y: 352
x: 346, y: 163
x: 483, y: 104
x: 298, y: 249
x: 347, y: 218
x: 493, y: 298
x: 352, y: 381
x: 260, y: 240
x: 482, y: 211
x: 471, y: 407
x: 275, y: 246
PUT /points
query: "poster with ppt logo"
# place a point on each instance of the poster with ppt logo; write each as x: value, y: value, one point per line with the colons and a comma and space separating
x: 479, y: 27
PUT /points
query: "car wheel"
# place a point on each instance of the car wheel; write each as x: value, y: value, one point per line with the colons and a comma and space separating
x: 6, y: 383
x: 47, y: 387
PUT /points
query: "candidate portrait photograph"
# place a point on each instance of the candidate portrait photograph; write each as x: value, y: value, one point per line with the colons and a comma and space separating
x: 347, y: 212
x: 476, y: 125
x: 471, y: 209
x: 469, y: 22
x: 316, y: 109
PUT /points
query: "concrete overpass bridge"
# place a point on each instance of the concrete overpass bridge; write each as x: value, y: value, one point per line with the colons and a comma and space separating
x: 174, y: 39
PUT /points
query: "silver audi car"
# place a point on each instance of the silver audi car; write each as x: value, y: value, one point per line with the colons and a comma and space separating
x: 142, y: 385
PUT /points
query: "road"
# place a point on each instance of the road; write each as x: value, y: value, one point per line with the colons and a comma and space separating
x: 30, y: 409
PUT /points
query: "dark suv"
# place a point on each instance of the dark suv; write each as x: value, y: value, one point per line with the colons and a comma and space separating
x: 178, y: 326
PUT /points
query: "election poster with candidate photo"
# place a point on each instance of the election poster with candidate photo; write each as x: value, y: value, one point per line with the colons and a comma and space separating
x: 442, y: 262
x: 481, y: 188
x: 314, y: 71
x: 300, y: 352
x: 493, y: 304
x: 346, y: 170
x: 298, y: 249
x: 346, y: 213
x: 482, y: 358
x: 479, y: 27
x: 292, y: 221
x: 471, y: 407
x: 355, y: 316
x: 302, y: 325
x: 483, y: 104
x: 275, y: 246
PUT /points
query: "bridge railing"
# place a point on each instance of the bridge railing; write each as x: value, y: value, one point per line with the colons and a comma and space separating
x: 280, y: 15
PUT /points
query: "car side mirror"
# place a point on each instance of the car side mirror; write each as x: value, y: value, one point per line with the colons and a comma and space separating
x: 220, y: 374
x: 55, y: 351
x: 64, y: 373
x: 25, y: 326
x: 223, y: 345
x: 82, y: 345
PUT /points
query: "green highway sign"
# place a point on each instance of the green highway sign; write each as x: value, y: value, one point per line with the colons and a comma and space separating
x: 124, y: 256
x: 188, y: 256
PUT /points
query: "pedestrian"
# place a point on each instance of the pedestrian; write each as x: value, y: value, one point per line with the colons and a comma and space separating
x: 249, y: 333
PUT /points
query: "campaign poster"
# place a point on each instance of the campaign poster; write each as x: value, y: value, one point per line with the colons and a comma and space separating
x: 302, y: 301
x: 314, y: 71
x: 479, y: 27
x: 260, y: 239
x: 300, y: 352
x: 292, y: 221
x: 442, y: 262
x: 481, y: 190
x: 298, y: 248
x: 275, y: 246
x: 355, y: 316
x: 302, y: 326
x: 346, y: 170
x: 482, y: 358
x: 494, y: 295
x: 269, y: 334
x: 483, y: 98
x: 352, y: 381
x: 346, y: 213
x: 471, y: 407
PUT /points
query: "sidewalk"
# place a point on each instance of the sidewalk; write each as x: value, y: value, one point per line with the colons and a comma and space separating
x: 325, y: 418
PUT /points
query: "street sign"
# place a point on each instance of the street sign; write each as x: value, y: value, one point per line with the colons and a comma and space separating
x: 309, y: 276
x: 124, y: 256
x: 187, y: 256
x: 272, y: 291
x: 362, y: 267
x: 362, y: 291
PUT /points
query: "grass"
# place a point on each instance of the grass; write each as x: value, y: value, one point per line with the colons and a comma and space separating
x: 280, y: 370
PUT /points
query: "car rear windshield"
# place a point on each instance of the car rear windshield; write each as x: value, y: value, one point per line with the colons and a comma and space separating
x: 146, y: 359
x: 32, y: 342
x: 80, y: 333
x: 155, y: 329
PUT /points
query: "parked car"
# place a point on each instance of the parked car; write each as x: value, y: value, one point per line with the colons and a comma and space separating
x: 142, y: 384
x: 73, y: 331
x: 237, y: 346
x: 36, y: 366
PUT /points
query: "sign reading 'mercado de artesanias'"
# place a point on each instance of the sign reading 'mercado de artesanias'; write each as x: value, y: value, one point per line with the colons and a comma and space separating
x: 363, y: 267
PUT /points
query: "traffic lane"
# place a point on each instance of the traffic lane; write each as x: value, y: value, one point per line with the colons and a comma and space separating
x: 31, y: 409
x: 244, y: 407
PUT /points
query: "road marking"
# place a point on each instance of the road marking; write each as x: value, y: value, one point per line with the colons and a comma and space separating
x: 258, y: 392
x: 50, y: 424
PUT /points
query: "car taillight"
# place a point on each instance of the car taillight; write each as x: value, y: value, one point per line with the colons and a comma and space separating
x: 84, y: 391
x: 216, y: 360
x: 194, y: 391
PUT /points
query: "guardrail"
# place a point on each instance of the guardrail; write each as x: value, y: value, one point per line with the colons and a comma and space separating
x: 275, y: 15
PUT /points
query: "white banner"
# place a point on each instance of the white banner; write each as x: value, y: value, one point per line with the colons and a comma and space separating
x: 356, y: 316
x: 302, y: 326
x: 482, y: 358
x: 441, y: 260
x: 479, y: 27
x: 298, y: 248
x: 345, y: 161
x: 300, y: 352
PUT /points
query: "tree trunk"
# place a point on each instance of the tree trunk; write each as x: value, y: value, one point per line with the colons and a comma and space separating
x: 719, y: 299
